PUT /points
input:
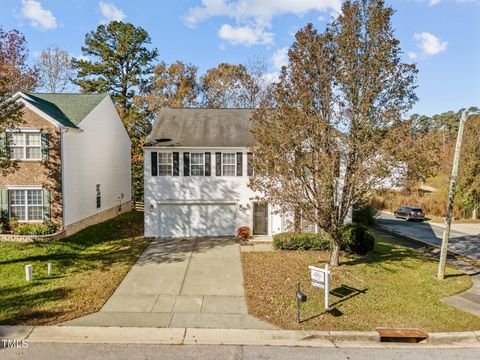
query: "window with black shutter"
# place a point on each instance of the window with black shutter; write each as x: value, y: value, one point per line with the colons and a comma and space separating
x: 186, y: 164
x: 239, y: 164
x: 176, y: 164
x: 154, y: 163
x: 218, y: 164
x: 208, y: 165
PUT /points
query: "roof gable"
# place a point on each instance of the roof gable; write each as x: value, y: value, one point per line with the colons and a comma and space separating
x: 68, y: 109
x: 201, y: 128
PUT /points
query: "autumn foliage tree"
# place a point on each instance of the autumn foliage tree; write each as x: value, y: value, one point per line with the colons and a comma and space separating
x: 15, y: 75
x: 333, y: 136
x: 173, y: 85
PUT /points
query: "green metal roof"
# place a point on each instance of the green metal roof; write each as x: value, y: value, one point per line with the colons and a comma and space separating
x: 68, y: 109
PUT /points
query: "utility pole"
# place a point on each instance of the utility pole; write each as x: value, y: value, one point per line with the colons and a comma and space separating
x: 451, y: 198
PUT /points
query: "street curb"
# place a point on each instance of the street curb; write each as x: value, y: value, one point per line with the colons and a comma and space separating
x: 201, y: 336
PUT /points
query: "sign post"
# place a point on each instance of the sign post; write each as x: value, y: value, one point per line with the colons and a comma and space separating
x: 320, y: 278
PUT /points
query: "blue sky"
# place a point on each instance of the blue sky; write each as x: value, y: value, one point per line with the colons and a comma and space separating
x: 440, y: 36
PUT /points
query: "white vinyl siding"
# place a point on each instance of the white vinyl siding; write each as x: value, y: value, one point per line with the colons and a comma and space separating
x: 25, y: 145
x: 229, y: 164
x: 165, y: 164
x: 197, y: 164
x: 26, y: 204
x: 99, y: 154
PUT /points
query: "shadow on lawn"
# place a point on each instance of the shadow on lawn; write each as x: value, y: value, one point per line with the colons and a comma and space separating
x: 344, y: 293
x: 105, y: 243
x: 18, y: 306
x: 386, y: 252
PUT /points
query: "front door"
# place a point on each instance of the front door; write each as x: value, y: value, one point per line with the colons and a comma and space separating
x: 260, y: 219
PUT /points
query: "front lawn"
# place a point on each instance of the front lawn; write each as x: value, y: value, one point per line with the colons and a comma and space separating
x: 87, y: 268
x: 393, y: 286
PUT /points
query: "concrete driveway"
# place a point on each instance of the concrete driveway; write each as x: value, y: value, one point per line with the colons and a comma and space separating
x: 464, y: 238
x: 180, y: 283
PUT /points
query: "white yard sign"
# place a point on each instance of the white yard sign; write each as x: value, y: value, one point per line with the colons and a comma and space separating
x: 320, y: 278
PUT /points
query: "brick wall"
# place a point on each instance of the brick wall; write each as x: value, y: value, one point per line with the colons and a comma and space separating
x: 44, y: 173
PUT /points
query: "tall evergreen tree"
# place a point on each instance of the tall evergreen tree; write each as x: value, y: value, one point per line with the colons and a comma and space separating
x: 118, y: 63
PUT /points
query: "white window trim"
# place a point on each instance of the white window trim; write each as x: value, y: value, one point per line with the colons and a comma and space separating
x: 234, y: 163
x: 158, y: 162
x: 203, y: 162
x: 25, y: 189
x: 25, y: 146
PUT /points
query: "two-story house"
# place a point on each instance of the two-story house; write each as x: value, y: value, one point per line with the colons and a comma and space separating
x: 73, y: 157
x: 196, y: 176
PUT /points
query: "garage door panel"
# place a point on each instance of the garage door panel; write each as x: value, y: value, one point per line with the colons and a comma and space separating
x: 184, y: 220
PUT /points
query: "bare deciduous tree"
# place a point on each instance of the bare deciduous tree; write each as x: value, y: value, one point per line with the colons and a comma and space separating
x: 55, y: 70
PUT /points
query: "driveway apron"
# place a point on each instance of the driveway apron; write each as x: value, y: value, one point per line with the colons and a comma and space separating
x: 194, y: 282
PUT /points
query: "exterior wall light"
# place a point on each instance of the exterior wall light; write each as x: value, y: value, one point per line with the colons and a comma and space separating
x: 151, y: 208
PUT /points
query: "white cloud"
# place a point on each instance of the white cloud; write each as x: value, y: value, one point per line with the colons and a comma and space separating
x: 38, y: 15
x: 245, y: 35
x: 429, y: 43
x: 433, y: 2
x: 280, y: 58
x: 254, y: 16
x: 110, y: 12
x: 412, y: 55
x: 262, y: 11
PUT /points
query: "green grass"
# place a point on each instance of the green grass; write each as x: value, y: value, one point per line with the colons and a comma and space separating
x: 87, y: 267
x: 397, y: 287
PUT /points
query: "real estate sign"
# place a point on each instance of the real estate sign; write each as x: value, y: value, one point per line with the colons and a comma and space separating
x: 320, y: 278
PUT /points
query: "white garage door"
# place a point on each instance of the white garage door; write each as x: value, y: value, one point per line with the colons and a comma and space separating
x: 186, y: 220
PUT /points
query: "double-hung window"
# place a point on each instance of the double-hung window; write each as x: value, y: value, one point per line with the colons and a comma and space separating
x: 26, y: 204
x: 25, y: 145
x: 165, y: 164
x: 197, y: 164
x: 229, y: 164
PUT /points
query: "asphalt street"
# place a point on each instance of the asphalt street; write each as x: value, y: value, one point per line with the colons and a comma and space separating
x: 463, y: 243
x: 59, y: 351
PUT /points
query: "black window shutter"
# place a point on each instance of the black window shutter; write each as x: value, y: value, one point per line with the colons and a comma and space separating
x: 154, y: 163
x: 239, y: 164
x: 186, y: 164
x: 44, y: 137
x: 208, y: 164
x: 218, y: 164
x: 249, y: 164
x: 176, y: 164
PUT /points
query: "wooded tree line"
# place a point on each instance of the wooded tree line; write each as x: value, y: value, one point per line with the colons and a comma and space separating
x: 443, y: 128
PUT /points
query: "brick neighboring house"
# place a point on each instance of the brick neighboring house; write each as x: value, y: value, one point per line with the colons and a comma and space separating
x: 73, y: 157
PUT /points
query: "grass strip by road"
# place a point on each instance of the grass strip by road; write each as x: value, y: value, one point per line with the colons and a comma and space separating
x: 392, y: 286
x: 87, y: 268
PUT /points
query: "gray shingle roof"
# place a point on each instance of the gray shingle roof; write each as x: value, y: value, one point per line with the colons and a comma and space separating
x: 201, y: 128
x: 68, y: 109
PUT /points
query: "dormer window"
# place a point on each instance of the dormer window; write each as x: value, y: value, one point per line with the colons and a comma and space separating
x: 25, y: 145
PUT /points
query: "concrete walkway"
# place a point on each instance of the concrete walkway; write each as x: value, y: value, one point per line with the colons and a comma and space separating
x: 180, y: 283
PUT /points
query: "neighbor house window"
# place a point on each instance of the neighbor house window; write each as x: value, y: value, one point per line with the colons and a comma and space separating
x: 165, y: 164
x: 229, y: 164
x: 25, y: 145
x: 26, y: 205
x: 197, y: 164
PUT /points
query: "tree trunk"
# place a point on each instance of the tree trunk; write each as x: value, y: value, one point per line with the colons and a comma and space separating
x: 334, y: 261
x: 475, y: 213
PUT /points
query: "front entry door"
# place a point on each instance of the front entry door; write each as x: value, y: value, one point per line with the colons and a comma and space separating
x: 260, y: 219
